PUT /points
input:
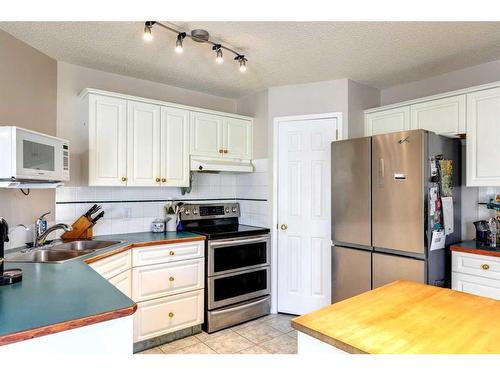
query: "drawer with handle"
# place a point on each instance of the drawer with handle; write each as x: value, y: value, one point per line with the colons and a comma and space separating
x: 147, y: 255
x: 113, y: 265
x: 475, y: 264
x: 168, y: 314
x: 164, y: 279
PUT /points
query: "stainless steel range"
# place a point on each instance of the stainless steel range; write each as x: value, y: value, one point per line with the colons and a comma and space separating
x: 237, y: 264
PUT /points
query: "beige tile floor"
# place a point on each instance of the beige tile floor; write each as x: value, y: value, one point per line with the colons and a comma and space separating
x: 271, y: 334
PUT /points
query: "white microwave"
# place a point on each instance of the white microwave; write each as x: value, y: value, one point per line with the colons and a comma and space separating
x: 26, y: 155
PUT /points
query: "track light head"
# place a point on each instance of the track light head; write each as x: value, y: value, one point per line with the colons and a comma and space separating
x: 178, y: 43
x: 218, y: 50
x: 148, y: 34
x: 243, y: 62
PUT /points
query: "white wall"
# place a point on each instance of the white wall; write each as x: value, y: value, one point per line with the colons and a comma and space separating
x: 360, y: 97
x: 72, y: 79
x: 256, y: 106
x: 458, y: 79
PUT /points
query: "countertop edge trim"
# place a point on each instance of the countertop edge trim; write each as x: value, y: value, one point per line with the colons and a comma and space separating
x: 66, y: 326
x: 470, y: 250
x: 131, y: 245
x: 327, y: 339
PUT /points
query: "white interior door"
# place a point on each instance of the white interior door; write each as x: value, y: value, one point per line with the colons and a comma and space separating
x: 304, y: 214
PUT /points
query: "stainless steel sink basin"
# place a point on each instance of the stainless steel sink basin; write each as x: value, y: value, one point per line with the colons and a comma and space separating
x: 59, y: 252
x: 84, y: 245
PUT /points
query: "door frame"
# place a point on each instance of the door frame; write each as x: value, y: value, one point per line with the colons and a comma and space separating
x: 275, y: 174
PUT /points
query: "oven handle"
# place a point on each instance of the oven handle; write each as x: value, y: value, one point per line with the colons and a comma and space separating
x: 239, y: 241
x: 240, y: 306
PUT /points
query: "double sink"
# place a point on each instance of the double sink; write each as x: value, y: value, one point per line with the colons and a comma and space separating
x: 58, y: 252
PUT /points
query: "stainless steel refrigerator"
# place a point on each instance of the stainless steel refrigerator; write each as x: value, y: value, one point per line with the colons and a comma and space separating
x: 381, y: 230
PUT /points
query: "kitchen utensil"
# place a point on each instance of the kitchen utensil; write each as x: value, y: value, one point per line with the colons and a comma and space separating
x: 99, y: 216
x: 171, y: 222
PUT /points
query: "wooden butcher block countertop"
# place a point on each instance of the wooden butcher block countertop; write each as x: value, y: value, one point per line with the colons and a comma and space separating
x: 408, y: 318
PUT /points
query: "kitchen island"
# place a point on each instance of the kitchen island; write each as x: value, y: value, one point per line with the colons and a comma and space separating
x: 69, y: 306
x: 403, y: 318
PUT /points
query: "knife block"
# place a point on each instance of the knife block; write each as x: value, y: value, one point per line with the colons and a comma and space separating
x: 82, y: 230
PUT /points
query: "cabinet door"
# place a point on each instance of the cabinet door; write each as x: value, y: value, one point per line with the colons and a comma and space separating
x: 113, y: 265
x: 168, y: 314
x: 123, y: 282
x: 143, y: 140
x: 483, y: 133
x: 206, y: 135
x: 107, y: 141
x: 237, y: 138
x: 174, y: 147
x: 480, y: 286
x: 442, y: 116
x: 388, y: 121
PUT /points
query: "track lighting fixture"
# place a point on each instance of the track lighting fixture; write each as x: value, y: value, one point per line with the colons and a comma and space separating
x: 243, y: 62
x: 199, y: 36
x: 178, y: 42
x: 148, y: 34
x: 218, y: 50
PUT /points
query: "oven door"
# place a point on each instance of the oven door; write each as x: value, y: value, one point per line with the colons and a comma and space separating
x: 236, y: 287
x: 227, y: 256
x: 40, y: 157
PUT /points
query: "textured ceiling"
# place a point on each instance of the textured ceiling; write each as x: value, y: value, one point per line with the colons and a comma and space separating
x: 379, y: 54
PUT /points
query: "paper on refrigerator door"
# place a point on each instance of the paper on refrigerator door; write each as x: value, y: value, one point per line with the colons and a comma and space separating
x: 438, y: 240
x: 447, y: 203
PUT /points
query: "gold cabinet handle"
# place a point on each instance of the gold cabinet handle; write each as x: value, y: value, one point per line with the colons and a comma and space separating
x: 158, y: 179
x: 485, y: 266
x: 284, y: 227
x: 163, y: 180
x: 170, y: 314
x: 124, y: 179
x: 171, y: 278
x: 221, y: 151
x: 172, y: 253
x: 226, y: 151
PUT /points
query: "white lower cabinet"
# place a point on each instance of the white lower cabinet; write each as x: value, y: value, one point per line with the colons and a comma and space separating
x: 113, y: 265
x: 476, y: 274
x: 123, y: 282
x: 160, y: 280
x: 168, y: 314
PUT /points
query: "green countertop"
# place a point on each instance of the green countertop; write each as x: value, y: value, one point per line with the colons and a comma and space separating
x: 54, y: 293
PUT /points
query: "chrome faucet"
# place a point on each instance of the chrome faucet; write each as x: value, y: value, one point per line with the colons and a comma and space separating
x: 41, y: 234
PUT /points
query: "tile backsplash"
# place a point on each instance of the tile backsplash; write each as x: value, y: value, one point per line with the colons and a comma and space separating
x: 132, y: 209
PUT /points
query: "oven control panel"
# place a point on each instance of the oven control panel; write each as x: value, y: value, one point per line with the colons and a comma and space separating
x: 209, y: 211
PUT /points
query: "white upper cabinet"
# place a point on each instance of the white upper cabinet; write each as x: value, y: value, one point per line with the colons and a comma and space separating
x: 237, y: 140
x: 442, y: 116
x: 174, y: 147
x: 107, y: 129
x: 483, y: 138
x: 143, y: 144
x: 206, y: 135
x: 387, y: 121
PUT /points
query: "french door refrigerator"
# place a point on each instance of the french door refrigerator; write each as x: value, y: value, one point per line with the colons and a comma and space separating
x: 381, y: 230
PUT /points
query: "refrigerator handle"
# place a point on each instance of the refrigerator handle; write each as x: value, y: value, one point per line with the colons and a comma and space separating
x: 381, y: 171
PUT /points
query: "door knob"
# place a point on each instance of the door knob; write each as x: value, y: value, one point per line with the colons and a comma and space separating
x: 284, y: 227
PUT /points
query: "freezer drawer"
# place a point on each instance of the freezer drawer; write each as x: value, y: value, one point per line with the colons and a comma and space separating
x: 351, y: 191
x: 389, y: 268
x: 398, y: 191
x: 351, y: 272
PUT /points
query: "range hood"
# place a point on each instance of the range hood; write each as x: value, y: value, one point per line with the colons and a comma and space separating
x: 20, y: 184
x: 208, y: 165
